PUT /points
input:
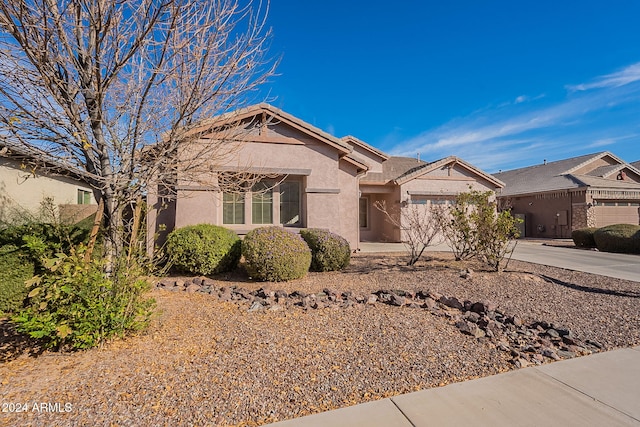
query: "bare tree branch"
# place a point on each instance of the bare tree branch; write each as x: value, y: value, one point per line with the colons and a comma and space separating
x: 94, y: 84
x: 418, y: 224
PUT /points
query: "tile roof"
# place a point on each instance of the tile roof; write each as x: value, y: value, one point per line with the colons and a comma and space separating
x: 604, y: 171
x: 394, y: 168
x: 39, y: 157
x: 559, y: 175
x: 597, y: 182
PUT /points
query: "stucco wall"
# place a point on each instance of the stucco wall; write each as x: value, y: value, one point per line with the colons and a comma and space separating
x: 20, y: 189
x: 368, y: 158
x: 329, y: 191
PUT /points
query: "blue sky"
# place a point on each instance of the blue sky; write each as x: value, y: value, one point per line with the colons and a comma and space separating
x: 502, y: 84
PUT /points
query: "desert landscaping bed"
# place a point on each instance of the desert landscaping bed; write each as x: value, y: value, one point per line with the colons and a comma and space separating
x: 230, y: 351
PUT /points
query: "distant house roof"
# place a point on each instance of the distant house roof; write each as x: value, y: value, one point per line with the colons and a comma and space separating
x: 636, y: 164
x: 21, y: 154
x: 563, y: 175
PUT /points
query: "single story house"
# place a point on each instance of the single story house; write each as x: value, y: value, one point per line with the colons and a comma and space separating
x: 555, y: 198
x: 24, y: 185
x: 311, y: 180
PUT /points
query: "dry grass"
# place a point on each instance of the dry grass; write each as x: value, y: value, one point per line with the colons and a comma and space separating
x: 206, y: 362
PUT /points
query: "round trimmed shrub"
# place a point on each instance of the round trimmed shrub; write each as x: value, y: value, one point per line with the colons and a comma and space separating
x: 621, y: 238
x: 203, y: 249
x: 15, y: 268
x: 583, y: 237
x: 329, y: 251
x: 274, y: 254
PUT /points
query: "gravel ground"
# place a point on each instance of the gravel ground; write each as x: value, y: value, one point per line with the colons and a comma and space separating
x: 207, y: 362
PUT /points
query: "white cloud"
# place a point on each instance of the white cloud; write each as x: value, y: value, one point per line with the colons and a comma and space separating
x: 507, y: 136
x: 623, y: 77
x: 603, y: 142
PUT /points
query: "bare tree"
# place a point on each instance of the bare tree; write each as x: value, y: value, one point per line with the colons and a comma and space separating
x: 419, y: 226
x: 121, y: 90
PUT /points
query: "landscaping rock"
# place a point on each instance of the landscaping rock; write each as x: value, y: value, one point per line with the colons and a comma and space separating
x: 472, y: 316
x: 193, y: 288
x: 452, y: 302
x: 552, y: 333
x: 256, y: 306
x: 397, y: 300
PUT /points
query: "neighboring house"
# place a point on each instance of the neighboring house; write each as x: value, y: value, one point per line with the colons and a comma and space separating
x: 636, y: 164
x: 315, y: 180
x: 555, y: 198
x: 24, y: 186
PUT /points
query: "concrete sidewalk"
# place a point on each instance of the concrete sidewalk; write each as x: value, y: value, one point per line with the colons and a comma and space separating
x: 598, y: 390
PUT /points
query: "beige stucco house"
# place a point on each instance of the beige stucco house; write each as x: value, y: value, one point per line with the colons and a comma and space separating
x: 24, y: 186
x: 312, y: 179
x: 555, y: 198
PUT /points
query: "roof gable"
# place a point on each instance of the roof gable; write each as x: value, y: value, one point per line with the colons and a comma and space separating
x: 361, y: 145
x: 450, y: 161
x: 265, y: 115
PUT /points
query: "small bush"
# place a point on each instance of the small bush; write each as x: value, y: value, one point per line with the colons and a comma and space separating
x: 621, y: 238
x: 203, y: 249
x: 15, y: 269
x: 329, y: 252
x: 43, y: 240
x: 75, y: 305
x: 583, y: 237
x: 275, y: 254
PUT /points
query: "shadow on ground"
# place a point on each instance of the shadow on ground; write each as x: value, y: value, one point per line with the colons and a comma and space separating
x: 629, y: 294
x: 14, y: 344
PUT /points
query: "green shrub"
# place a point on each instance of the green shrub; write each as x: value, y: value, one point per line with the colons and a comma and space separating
x: 329, y: 251
x: 622, y: 238
x: 275, y: 254
x: 15, y: 269
x: 203, y: 249
x: 583, y: 237
x: 43, y: 240
x: 75, y: 305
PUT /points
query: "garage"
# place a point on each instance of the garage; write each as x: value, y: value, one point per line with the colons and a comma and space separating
x: 616, y: 212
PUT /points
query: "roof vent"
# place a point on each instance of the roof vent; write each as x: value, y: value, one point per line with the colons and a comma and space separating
x: 544, y: 162
x: 418, y: 157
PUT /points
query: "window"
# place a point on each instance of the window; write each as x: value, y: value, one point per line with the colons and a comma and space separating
x: 363, y: 212
x: 290, y: 203
x: 262, y: 203
x: 84, y: 197
x: 418, y: 201
x: 233, y: 208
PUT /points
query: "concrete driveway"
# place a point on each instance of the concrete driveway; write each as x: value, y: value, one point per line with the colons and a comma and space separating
x: 621, y: 266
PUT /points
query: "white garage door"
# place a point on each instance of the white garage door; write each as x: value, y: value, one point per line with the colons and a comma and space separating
x: 608, y: 213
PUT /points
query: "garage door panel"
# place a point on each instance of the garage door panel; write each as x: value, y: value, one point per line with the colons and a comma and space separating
x: 607, y: 215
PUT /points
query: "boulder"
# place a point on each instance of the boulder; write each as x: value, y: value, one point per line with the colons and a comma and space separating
x: 452, y: 302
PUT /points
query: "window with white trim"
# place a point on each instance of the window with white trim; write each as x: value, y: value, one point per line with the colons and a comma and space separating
x: 289, y: 202
x: 233, y: 208
x: 262, y: 203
